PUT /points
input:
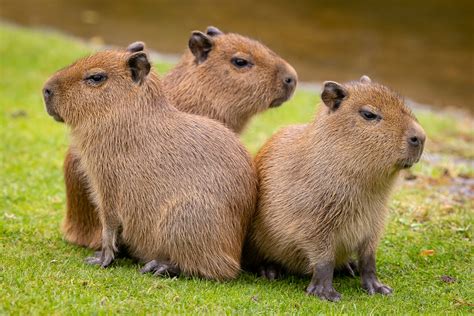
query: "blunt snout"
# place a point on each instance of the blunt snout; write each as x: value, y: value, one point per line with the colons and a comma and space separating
x: 48, y: 95
x: 415, y: 138
x: 288, y: 78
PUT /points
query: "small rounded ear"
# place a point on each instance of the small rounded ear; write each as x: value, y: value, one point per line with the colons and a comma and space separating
x: 136, y: 47
x: 200, y: 45
x: 365, y: 79
x: 333, y: 94
x: 213, y: 31
x: 139, y: 66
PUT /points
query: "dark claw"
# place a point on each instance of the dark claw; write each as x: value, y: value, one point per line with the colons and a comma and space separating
x: 161, y: 268
x: 101, y: 258
x: 325, y: 293
x: 373, y: 286
x: 93, y: 260
x: 108, y: 259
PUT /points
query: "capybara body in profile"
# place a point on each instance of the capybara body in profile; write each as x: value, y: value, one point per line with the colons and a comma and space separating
x: 178, y: 190
x: 226, y: 77
x: 323, y: 187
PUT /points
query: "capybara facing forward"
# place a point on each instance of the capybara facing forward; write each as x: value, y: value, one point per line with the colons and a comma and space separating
x: 225, y: 76
x: 177, y: 189
x: 323, y: 187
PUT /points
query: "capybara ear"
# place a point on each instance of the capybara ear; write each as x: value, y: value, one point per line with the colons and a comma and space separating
x: 136, y: 47
x: 333, y: 94
x: 365, y: 79
x: 200, y: 45
x: 213, y: 31
x: 139, y: 66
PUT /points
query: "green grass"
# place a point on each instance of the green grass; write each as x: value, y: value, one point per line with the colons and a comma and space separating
x: 41, y: 274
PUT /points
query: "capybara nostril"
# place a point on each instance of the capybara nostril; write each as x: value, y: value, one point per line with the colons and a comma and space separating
x: 417, y: 140
x: 47, y: 93
x: 290, y: 81
x: 414, y: 141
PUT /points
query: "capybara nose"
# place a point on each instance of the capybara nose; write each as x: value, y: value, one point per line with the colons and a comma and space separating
x: 47, y: 94
x: 288, y: 76
x: 290, y: 82
x: 417, y: 140
x: 414, y: 141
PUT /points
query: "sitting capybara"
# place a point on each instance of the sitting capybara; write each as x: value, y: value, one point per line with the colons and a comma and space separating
x: 177, y: 189
x: 324, y: 186
x: 227, y: 77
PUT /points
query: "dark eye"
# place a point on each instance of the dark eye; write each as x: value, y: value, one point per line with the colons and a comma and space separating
x: 369, y: 116
x: 96, y: 78
x: 240, y: 62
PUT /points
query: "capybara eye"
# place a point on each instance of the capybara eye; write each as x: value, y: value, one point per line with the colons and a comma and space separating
x: 369, y: 116
x: 96, y: 78
x: 240, y: 62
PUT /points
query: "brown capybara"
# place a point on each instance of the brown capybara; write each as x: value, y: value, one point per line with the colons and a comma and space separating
x: 177, y: 189
x: 227, y: 77
x: 324, y: 186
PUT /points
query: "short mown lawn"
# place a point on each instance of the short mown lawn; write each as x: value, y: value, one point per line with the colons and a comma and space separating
x: 426, y: 254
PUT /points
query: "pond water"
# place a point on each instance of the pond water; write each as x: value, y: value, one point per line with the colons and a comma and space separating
x: 424, y: 49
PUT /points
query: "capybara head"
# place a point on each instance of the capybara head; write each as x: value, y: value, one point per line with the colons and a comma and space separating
x: 96, y: 85
x: 243, y: 64
x: 371, y: 124
x: 234, y: 75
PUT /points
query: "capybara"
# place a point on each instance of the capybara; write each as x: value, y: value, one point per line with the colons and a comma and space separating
x: 177, y: 190
x: 324, y: 186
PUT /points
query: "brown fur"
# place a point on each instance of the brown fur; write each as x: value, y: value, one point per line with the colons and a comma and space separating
x: 324, y: 186
x: 214, y: 88
x: 217, y: 89
x: 174, y: 187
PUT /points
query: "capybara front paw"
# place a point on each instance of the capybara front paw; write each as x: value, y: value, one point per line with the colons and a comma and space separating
x: 373, y: 286
x: 324, y: 292
x: 101, y: 258
x: 161, y: 268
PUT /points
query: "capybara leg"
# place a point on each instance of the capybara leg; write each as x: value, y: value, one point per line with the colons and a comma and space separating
x: 368, y: 275
x: 321, y: 282
x: 270, y: 271
x: 161, y: 268
x: 82, y: 225
x: 109, y: 245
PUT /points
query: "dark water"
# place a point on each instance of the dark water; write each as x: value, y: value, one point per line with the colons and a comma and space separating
x: 424, y: 49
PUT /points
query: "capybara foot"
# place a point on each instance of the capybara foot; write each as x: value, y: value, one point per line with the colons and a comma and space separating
x: 101, y: 258
x: 270, y: 271
x: 161, y: 268
x: 323, y: 292
x: 372, y: 285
